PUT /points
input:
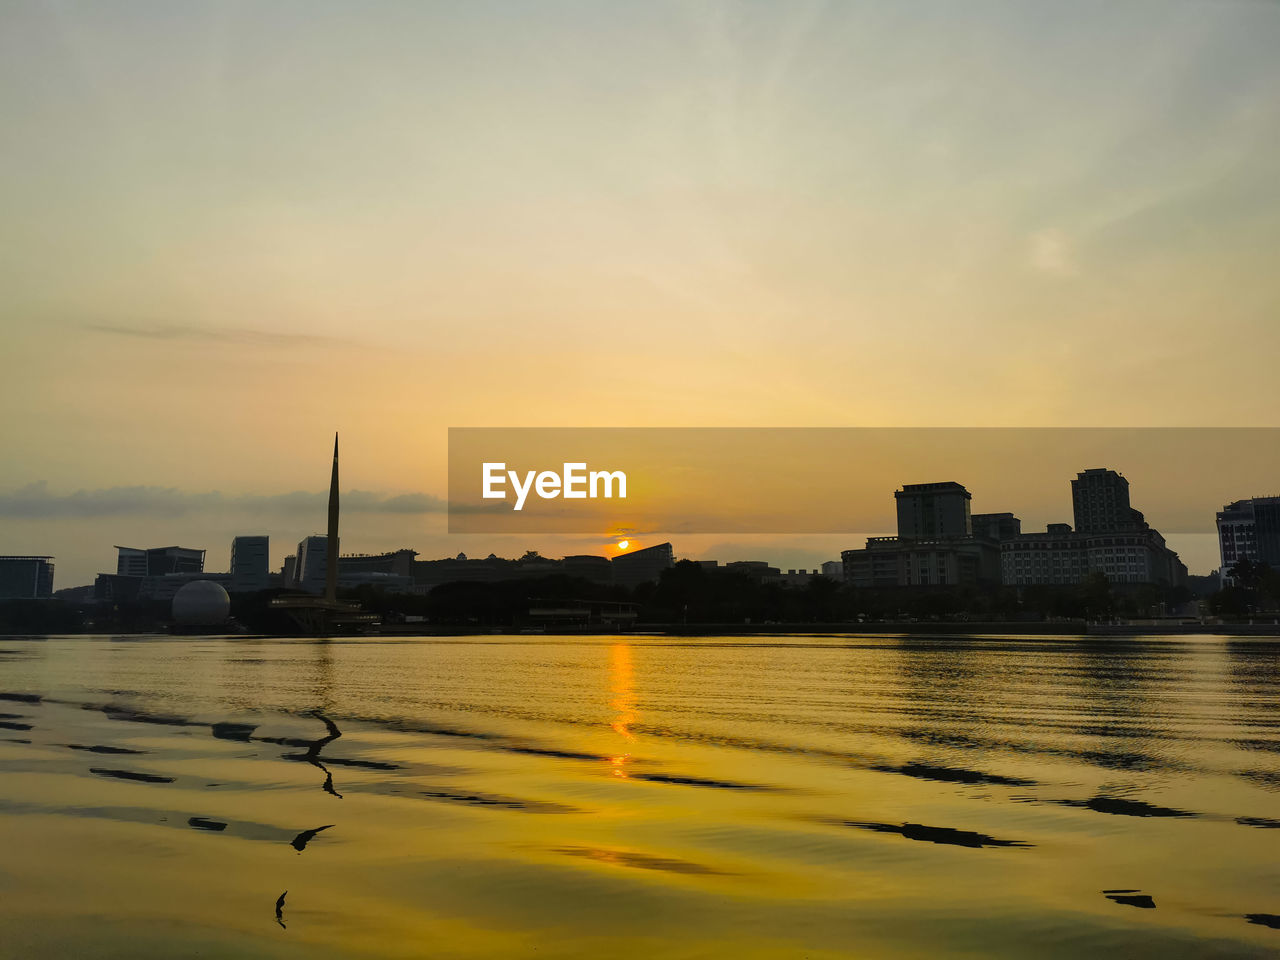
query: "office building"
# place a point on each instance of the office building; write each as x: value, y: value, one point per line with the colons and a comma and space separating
x: 131, y: 562
x: 1111, y: 538
x: 1249, y: 530
x: 949, y: 562
x: 250, y: 564
x: 157, y: 561
x: 937, y: 544
x: 996, y: 526
x: 928, y: 511
x: 26, y: 578
x: 311, y: 569
x: 1056, y: 556
x: 1100, y: 502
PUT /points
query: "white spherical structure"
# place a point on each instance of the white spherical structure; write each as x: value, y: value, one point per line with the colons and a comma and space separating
x: 201, y: 603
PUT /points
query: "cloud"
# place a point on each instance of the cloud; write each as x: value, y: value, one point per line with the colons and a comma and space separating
x: 35, y: 501
x: 1050, y: 252
x: 207, y: 333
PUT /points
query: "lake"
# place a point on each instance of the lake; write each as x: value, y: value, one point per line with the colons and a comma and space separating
x: 510, y: 796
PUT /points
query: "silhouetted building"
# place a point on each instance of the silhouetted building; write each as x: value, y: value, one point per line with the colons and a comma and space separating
x: 936, y: 545
x: 595, y: 569
x: 289, y: 572
x: 389, y: 582
x: 26, y: 578
x: 396, y: 563
x: 1249, y: 530
x: 1116, y: 541
x: 892, y: 562
x: 157, y: 561
x: 1100, y: 501
x: 144, y: 574
x: 927, y: 511
x: 166, y: 587
x: 642, y: 566
x: 833, y: 569
x: 250, y: 564
x: 996, y: 526
x: 794, y: 578
x: 131, y: 562
x: 758, y: 570
x: 428, y: 574
x: 115, y: 588
x: 1061, y: 558
x: 312, y: 567
x: 431, y: 573
x: 1057, y: 556
x: 391, y: 571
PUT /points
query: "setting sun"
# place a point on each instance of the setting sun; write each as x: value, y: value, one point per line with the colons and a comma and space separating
x: 623, y: 544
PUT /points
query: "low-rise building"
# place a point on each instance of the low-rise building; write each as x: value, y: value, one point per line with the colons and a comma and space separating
x: 945, y: 562
x: 642, y: 566
x: 157, y: 561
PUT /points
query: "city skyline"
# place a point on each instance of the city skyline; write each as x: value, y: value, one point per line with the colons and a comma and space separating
x: 78, y: 526
x: 279, y: 560
x: 819, y: 215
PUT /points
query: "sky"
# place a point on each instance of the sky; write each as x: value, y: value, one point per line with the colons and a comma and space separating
x: 230, y: 229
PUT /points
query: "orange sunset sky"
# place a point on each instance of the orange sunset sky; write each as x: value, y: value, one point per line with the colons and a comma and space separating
x: 231, y: 229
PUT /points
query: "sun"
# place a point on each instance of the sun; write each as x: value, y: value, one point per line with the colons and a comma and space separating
x: 623, y: 544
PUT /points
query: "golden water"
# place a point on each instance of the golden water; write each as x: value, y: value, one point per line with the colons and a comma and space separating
x: 639, y: 797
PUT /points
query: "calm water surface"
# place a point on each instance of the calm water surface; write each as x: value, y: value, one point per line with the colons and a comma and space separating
x: 647, y: 797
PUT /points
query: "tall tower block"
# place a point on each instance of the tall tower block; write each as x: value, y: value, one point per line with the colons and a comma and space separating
x: 331, y: 566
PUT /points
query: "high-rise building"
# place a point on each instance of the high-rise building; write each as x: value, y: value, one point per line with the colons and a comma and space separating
x: 1100, y: 502
x: 311, y: 569
x: 1111, y: 538
x: 928, y: 511
x: 1249, y: 530
x: 1266, y: 522
x: 250, y: 564
x: 332, y: 546
x: 26, y: 578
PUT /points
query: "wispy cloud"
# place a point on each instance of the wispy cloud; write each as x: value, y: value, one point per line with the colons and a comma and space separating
x: 35, y: 501
x: 1050, y: 252
x: 209, y: 333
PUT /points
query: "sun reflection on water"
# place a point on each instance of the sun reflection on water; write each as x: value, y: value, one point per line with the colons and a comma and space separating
x: 621, y: 686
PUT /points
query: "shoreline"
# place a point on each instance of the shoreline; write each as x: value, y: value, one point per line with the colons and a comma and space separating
x: 1030, y: 630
